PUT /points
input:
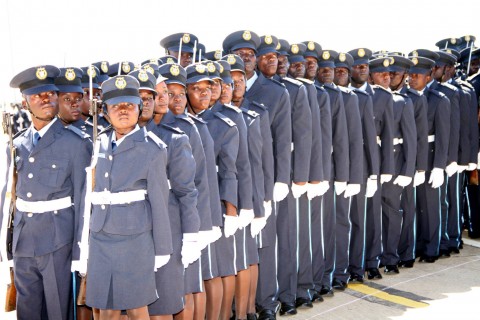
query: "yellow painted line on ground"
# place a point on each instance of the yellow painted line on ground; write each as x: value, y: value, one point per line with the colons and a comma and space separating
x: 386, y: 296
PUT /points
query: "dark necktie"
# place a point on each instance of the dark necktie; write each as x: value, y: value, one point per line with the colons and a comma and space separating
x: 114, y: 145
x: 36, y: 138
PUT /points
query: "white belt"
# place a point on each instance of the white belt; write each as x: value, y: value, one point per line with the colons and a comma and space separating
x: 379, y: 141
x: 397, y: 141
x: 106, y: 197
x: 431, y: 138
x: 43, y: 206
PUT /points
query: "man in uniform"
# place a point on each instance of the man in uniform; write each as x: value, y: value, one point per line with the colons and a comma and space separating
x: 50, y: 163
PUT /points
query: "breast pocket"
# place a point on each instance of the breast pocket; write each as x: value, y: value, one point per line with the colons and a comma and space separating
x: 53, y: 172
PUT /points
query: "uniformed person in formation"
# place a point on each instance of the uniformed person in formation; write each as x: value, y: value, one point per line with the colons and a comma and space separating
x: 129, y: 209
x: 50, y: 163
x: 183, y: 44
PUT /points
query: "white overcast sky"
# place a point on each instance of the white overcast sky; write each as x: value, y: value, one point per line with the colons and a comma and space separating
x: 76, y: 33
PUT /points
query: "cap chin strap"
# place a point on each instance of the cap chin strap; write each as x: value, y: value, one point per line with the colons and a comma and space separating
x: 33, y: 115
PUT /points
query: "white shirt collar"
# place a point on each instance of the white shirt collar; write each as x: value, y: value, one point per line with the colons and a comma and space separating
x: 252, y: 80
x: 363, y: 87
x: 123, y: 138
x: 42, y: 131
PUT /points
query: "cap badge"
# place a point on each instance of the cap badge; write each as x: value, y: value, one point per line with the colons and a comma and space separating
x: 415, y: 53
x: 415, y: 60
x: 149, y: 69
x: 170, y: 60
x: 449, y: 51
x: 218, y: 54
x: 326, y: 55
x: 268, y: 39
x: 342, y: 57
x: 361, y: 53
x: 120, y: 83
x: 104, y: 66
x: 294, y: 48
x: 41, y: 73
x: 174, y: 70
x: 311, y: 45
x: 200, y: 68
x: 221, y: 69
x: 386, y: 62
x: 143, y: 76
x: 231, y: 59
x: 392, y: 60
x: 186, y: 38
x: 126, y: 67
x: 154, y: 61
x: 92, y: 72
x: 246, y: 35
x: 453, y: 40
x: 70, y: 74
x: 211, y: 67
x: 137, y: 67
x: 467, y: 38
x: 279, y: 46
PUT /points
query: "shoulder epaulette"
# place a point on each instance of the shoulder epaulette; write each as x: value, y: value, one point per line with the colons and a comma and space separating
x: 415, y: 92
x: 196, y: 119
x: 473, y: 76
x: 251, y: 113
x: 465, y: 83
x: 78, y: 132
x: 155, y: 139
x: 331, y: 88
x: 358, y: 91
x: 229, y: 106
x: 187, y: 119
x: 106, y: 130
x: 225, y: 119
x: 305, y: 81
x: 19, y: 133
x: 437, y: 93
x: 400, y: 94
x: 343, y: 89
x: 292, y: 81
x: 176, y: 130
x: 449, y: 86
x: 380, y: 87
x: 259, y: 105
x: 277, y: 82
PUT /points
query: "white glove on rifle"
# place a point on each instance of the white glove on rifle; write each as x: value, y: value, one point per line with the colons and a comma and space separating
x: 216, y: 233
x: 402, y: 181
x: 80, y: 266
x: 204, y: 238
x: 436, y: 178
x: 257, y: 225
x: 460, y: 168
x: 230, y: 225
x: 471, y: 166
x: 245, y: 218
x: 280, y: 191
x: 352, y: 189
x: 371, y: 186
x: 419, y: 178
x: 267, y: 205
x: 312, y: 190
x: 160, y: 261
x: 451, y: 169
x: 340, y: 187
x: 190, y: 249
x: 298, y: 190
x: 385, y: 178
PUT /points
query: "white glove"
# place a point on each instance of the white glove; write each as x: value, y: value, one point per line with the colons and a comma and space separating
x: 160, y: 261
x: 436, y: 178
x: 339, y: 187
x: 402, y: 181
x: 204, y: 238
x: 216, y: 233
x: 267, y: 205
x: 257, y: 225
x: 451, y: 169
x: 312, y: 190
x: 352, y: 189
x: 80, y: 266
x: 298, y: 190
x: 419, y: 178
x: 280, y: 191
x: 460, y: 168
x: 324, y: 186
x: 190, y: 249
x: 385, y: 178
x: 230, y: 225
x: 5, y: 272
x: 471, y: 166
x: 371, y: 186
x: 245, y: 218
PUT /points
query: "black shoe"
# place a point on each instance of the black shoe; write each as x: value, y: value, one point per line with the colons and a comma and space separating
x: 460, y: 246
x: 326, y: 292
x: 355, y: 278
x: 303, y: 303
x: 444, y: 253
x: 266, y: 314
x: 427, y: 259
x: 288, y: 308
x: 316, y: 296
x: 406, y: 263
x: 454, y: 250
x: 391, y: 269
x: 373, y: 274
x: 251, y: 316
x: 381, y: 265
x: 339, y: 285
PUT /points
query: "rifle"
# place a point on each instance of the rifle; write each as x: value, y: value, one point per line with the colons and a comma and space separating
x: 9, y: 211
x: 81, y: 299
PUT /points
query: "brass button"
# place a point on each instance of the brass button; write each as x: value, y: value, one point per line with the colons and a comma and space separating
x: 30, y: 215
x: 102, y: 206
x: 31, y: 159
x: 30, y: 175
x: 106, y: 174
x: 110, y: 158
x: 54, y: 166
x: 29, y: 194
